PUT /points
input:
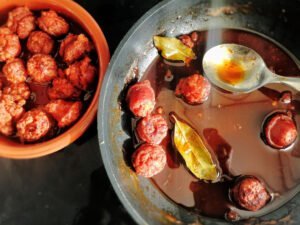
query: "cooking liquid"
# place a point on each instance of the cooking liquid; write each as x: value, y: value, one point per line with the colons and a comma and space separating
x: 230, y: 125
x: 231, y: 72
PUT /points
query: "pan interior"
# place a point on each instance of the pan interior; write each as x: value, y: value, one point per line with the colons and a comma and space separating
x: 133, y: 57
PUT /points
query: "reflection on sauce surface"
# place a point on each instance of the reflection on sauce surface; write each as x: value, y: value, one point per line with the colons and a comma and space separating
x: 231, y: 126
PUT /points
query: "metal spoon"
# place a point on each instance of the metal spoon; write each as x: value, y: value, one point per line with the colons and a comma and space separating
x: 237, y: 68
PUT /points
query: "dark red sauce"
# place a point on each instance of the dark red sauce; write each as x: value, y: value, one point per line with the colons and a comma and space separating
x: 231, y: 125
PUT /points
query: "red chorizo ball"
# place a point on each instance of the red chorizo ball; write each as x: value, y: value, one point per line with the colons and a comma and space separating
x: 15, y: 71
x: 65, y: 113
x: 42, y: 68
x: 141, y: 98
x: 149, y: 160
x: 15, y: 16
x: 14, y: 108
x: 81, y: 74
x: 194, y: 36
x: 10, y: 46
x: 6, y: 122
x: 5, y: 30
x: 250, y: 193
x: 194, y: 89
x: 187, y: 40
x: 40, y: 42
x: 34, y: 125
x: 63, y: 89
x: 73, y: 47
x: 19, y: 91
x: 25, y: 26
x: 21, y: 21
x: 280, y: 130
x: 152, y: 129
x: 53, y: 24
x: 14, y: 98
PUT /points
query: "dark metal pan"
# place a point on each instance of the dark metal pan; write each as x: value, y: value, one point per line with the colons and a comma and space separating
x: 278, y: 19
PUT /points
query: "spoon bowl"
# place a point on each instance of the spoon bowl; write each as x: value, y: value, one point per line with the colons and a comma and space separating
x: 239, y: 69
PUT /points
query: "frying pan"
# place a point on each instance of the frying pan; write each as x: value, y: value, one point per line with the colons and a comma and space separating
x: 277, y: 19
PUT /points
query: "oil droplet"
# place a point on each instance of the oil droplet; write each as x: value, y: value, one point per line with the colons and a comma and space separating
x: 199, y: 114
x: 160, y: 110
x: 238, y: 126
x: 274, y: 103
x: 231, y: 72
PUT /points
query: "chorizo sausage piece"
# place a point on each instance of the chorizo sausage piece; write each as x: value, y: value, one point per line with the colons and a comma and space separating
x: 52, y: 23
x: 6, y: 122
x: 40, y: 42
x: 149, y: 160
x: 280, y: 130
x: 10, y: 46
x: 152, y: 129
x: 34, y: 125
x: 187, y: 40
x: 15, y: 71
x: 5, y: 30
x: 64, y: 112
x: 21, y: 21
x: 14, y: 98
x: 250, y: 193
x: 81, y: 74
x: 19, y: 91
x: 15, y: 109
x: 194, y: 89
x: 42, y: 68
x: 73, y: 47
x: 62, y: 89
x: 141, y: 98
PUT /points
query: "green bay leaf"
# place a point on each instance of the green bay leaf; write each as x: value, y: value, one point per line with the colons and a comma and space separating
x: 173, y: 49
x: 197, y: 157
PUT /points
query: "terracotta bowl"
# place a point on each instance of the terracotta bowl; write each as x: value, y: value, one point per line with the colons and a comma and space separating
x: 73, y: 11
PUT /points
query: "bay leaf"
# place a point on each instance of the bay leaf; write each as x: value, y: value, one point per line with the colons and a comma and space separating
x: 190, y: 145
x: 173, y: 49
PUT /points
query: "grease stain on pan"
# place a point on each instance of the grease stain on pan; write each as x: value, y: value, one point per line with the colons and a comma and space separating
x: 286, y: 220
x: 230, y: 9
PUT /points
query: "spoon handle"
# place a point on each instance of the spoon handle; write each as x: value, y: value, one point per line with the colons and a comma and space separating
x: 293, y: 82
